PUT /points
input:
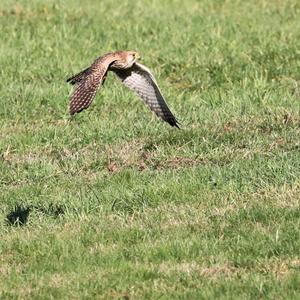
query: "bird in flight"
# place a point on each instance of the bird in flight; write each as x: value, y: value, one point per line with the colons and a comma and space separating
x: 132, y: 74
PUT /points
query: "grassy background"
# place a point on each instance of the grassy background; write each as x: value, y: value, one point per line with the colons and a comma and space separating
x: 122, y: 205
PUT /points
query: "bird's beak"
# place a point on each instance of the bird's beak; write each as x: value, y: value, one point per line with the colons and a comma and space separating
x: 137, y: 56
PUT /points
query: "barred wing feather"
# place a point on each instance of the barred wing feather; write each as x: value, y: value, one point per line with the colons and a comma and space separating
x: 139, y: 79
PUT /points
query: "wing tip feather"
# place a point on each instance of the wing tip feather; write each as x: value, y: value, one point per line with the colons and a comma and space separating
x: 173, y: 122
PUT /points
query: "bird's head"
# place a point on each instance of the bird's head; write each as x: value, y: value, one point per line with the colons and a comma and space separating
x: 131, y: 58
x: 125, y: 60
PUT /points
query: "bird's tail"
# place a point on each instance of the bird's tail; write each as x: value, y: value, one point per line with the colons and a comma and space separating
x: 78, y: 77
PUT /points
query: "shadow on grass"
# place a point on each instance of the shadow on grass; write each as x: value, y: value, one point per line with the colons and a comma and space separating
x: 19, y: 215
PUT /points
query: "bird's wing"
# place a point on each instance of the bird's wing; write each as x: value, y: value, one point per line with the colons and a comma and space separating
x: 139, y: 79
x: 87, y: 82
x: 77, y: 78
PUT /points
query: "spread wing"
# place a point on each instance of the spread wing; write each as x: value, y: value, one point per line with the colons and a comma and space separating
x: 139, y: 79
x: 87, y: 83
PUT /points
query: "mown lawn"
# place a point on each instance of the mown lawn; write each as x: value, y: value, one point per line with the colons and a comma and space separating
x: 113, y: 203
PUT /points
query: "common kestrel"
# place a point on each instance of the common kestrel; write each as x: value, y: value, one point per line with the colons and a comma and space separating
x: 132, y: 74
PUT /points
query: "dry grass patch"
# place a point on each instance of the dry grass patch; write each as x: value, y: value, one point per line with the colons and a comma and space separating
x: 129, y: 154
x: 179, y: 215
x: 193, y: 268
x: 102, y: 248
x: 280, y: 269
x: 134, y: 155
x: 283, y: 196
x: 58, y: 280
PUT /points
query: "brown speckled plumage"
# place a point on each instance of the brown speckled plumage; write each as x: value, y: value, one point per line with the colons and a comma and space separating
x: 132, y: 74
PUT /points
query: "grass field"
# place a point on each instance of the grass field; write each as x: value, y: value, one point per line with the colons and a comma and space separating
x: 115, y: 204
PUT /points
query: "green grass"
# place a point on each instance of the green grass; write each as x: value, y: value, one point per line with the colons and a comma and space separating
x: 124, y: 206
